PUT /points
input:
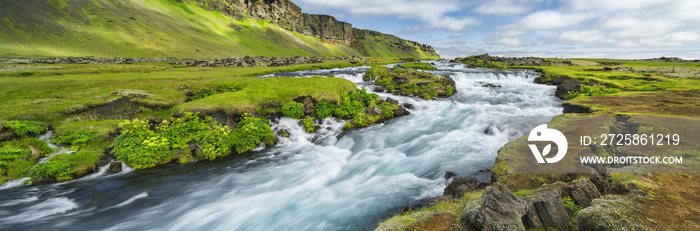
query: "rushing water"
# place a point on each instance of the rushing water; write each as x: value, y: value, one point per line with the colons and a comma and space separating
x: 308, y: 181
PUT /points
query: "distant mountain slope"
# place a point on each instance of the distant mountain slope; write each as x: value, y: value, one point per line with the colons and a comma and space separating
x: 184, y: 29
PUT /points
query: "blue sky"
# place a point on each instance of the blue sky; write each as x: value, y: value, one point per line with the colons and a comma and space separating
x: 544, y: 28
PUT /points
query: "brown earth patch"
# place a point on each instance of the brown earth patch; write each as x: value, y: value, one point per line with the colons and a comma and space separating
x: 437, y: 222
x: 648, y: 103
x: 674, y: 206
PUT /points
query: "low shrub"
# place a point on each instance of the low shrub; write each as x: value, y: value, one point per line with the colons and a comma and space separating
x: 57, y: 170
x: 354, y: 103
x: 250, y: 132
x: 140, y: 147
x: 324, y: 109
x: 348, y: 108
x: 77, y: 139
x: 32, y: 143
x: 9, y: 154
x: 571, y: 206
x: 81, y: 162
x: 292, y: 110
x: 387, y: 109
x: 308, y: 124
x: 595, y: 90
x: 23, y: 74
x: 24, y: 127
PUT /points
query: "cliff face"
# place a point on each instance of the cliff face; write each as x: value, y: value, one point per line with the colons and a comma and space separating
x: 288, y: 15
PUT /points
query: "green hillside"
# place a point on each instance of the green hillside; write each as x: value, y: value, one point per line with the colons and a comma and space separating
x: 171, y: 28
x: 144, y: 28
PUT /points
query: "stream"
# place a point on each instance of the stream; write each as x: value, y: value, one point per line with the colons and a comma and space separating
x: 323, y: 181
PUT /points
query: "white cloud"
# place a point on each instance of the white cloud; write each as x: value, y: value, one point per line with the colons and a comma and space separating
x: 576, y: 36
x: 675, y: 39
x: 631, y: 28
x: 508, y: 38
x: 612, y: 6
x: 591, y: 27
x: 431, y: 14
x: 507, y: 6
x: 508, y: 41
x: 627, y: 43
x: 551, y: 20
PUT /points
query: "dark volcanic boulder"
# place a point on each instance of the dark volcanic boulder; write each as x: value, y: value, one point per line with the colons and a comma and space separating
x: 6, y: 133
x: 564, y: 85
x: 460, y: 186
x: 490, y: 130
x: 584, y: 192
x: 308, y: 103
x: 372, y: 111
x: 407, y: 105
x: 400, y: 111
x: 449, y: 175
x: 498, y: 209
x: 570, y: 107
x: 545, y: 210
x: 115, y: 167
x: 392, y: 101
x: 604, y: 215
x: 400, y: 80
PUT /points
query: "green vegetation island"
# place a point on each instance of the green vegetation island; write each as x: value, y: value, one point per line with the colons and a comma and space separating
x: 91, y: 89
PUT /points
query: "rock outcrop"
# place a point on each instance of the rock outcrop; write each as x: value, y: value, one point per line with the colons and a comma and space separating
x: 115, y: 167
x: 498, y: 209
x: 570, y: 107
x: 545, y: 210
x: 460, y: 186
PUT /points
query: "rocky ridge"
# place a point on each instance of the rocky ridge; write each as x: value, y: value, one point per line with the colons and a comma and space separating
x: 261, y: 61
x: 226, y: 62
x: 288, y: 15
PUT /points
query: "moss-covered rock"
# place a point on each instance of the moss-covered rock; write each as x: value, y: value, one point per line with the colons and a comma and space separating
x: 411, y: 82
x: 607, y: 214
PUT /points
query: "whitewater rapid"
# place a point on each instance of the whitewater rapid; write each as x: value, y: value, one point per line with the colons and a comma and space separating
x: 325, y: 181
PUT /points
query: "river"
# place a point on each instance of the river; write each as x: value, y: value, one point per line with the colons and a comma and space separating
x: 323, y: 181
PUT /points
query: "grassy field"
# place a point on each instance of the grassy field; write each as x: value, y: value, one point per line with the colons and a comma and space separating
x: 85, y: 105
x: 50, y: 93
